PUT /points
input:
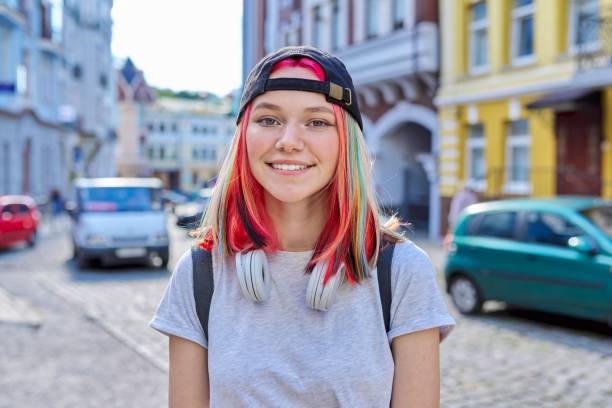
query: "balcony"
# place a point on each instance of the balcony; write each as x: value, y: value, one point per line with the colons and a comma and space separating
x: 12, y: 13
x: 390, y: 62
x: 403, y: 52
x: 594, y: 59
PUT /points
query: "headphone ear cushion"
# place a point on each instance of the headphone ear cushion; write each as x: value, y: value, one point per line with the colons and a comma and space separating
x: 253, y: 276
x: 320, y: 296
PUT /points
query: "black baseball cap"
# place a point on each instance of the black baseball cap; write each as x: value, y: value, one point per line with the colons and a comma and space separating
x: 337, y: 87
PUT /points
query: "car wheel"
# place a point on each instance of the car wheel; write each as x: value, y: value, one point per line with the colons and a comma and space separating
x: 32, y: 239
x: 465, y: 295
x: 164, y: 263
x: 81, y: 260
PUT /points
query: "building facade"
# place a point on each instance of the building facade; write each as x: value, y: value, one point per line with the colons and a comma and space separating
x: 390, y: 47
x: 133, y: 97
x: 90, y: 98
x: 525, y: 102
x: 32, y: 150
x: 50, y: 106
x: 186, y: 140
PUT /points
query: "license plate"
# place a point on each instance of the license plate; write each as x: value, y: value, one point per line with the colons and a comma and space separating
x: 130, y: 252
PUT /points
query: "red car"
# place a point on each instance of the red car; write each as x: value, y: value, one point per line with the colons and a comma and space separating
x: 19, y: 218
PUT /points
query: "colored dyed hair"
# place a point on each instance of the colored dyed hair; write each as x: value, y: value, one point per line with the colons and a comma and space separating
x: 236, y: 218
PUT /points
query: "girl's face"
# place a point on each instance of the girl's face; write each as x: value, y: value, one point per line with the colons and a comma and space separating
x: 292, y: 141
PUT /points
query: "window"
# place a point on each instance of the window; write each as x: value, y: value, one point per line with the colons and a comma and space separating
x: 399, y: 14
x: 497, y: 225
x: 162, y: 128
x: 584, y: 24
x: 475, y: 155
x: 103, y: 79
x: 6, y: 168
x: 335, y: 25
x: 162, y: 153
x: 371, y: 16
x: 151, y: 152
x: 522, y: 32
x: 317, y: 26
x: 549, y: 229
x: 4, y: 54
x: 77, y: 71
x: 23, y: 75
x: 150, y: 127
x: 479, y: 58
x: 518, y: 142
x: 174, y: 127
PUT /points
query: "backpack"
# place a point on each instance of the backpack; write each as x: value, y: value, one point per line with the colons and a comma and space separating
x: 203, y: 283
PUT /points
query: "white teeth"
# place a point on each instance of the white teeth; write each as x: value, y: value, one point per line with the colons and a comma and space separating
x: 289, y: 167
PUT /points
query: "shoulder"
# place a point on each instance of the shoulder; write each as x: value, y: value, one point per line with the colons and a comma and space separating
x: 183, y: 270
x: 409, y: 262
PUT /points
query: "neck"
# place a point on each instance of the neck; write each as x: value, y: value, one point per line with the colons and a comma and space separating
x: 298, y: 225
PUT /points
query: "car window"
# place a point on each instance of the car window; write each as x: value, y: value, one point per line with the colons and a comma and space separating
x: 21, y: 209
x: 110, y: 199
x: 600, y: 217
x: 498, y: 224
x: 549, y: 229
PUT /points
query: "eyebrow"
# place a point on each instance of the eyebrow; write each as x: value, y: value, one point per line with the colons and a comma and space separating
x: 314, y: 109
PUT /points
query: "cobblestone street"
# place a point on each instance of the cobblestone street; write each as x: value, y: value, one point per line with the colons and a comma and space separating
x: 79, y: 338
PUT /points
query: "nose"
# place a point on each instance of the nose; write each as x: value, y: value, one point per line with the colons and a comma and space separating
x: 290, y: 138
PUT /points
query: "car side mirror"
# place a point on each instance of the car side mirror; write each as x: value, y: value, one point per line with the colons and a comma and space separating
x: 582, y: 244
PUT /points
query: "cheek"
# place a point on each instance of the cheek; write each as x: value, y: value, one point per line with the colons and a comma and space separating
x: 254, y: 148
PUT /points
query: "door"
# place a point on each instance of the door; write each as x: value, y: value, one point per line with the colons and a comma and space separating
x: 8, y: 224
x: 489, y: 247
x: 568, y: 281
x: 579, y: 137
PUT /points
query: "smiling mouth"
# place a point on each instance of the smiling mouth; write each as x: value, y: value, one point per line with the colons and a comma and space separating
x: 289, y: 167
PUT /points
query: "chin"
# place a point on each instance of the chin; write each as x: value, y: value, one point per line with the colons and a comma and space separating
x: 288, y: 196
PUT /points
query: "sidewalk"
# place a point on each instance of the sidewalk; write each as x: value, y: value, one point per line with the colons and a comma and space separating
x: 17, y: 310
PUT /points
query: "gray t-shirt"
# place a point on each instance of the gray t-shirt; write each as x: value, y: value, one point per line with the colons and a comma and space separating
x: 280, y: 353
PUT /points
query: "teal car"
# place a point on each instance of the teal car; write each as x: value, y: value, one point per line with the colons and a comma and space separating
x: 552, y: 255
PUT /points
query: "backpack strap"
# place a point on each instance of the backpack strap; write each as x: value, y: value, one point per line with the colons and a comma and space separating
x: 203, y: 284
x: 383, y: 270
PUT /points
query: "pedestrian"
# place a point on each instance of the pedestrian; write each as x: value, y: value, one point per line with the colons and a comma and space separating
x: 464, y: 196
x: 56, y: 202
x: 294, y: 229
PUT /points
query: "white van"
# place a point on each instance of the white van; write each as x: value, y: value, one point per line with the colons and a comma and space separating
x: 118, y: 220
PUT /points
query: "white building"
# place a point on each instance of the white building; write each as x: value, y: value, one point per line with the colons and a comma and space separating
x: 186, y: 140
x: 32, y: 153
x: 90, y: 103
x: 56, y: 93
x: 390, y: 47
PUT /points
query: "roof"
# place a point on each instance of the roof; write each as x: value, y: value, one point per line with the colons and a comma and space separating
x: 129, y: 71
x: 118, y: 182
x: 17, y: 199
x: 575, y: 203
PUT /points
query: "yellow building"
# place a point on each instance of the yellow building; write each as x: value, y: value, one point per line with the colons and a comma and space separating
x: 525, y: 101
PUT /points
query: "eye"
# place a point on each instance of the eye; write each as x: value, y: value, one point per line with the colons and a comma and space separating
x: 318, y: 123
x: 267, y: 121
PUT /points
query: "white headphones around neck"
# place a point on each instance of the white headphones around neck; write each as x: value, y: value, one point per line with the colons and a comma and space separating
x: 253, y: 275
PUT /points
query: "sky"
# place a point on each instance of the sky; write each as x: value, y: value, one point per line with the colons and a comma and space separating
x: 190, y: 45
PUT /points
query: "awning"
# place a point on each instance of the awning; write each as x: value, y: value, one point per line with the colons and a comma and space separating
x: 567, y: 99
